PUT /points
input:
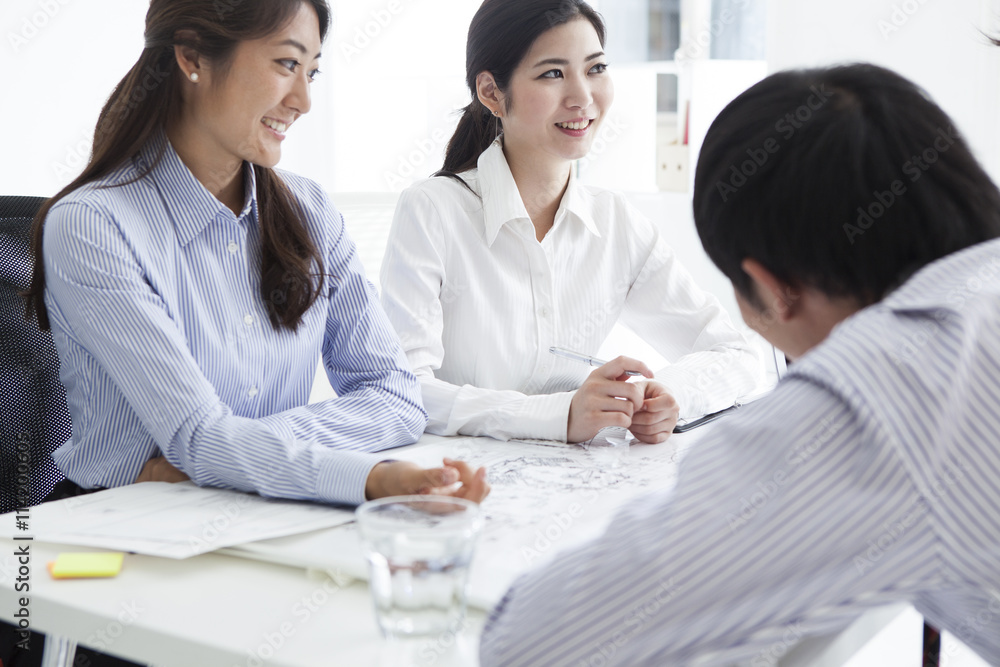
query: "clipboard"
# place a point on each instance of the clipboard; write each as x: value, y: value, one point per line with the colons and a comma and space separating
x: 701, y: 421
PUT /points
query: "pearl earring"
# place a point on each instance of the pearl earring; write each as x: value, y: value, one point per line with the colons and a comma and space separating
x: 194, y: 77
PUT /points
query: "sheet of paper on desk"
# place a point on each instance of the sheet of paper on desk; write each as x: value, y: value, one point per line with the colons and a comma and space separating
x: 544, y: 499
x: 175, y: 520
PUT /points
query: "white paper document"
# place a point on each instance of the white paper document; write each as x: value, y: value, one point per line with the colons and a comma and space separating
x: 544, y: 499
x: 174, y: 520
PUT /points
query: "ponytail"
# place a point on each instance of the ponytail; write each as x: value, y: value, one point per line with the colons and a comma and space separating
x: 476, y: 131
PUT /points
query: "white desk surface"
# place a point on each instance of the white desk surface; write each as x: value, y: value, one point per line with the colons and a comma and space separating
x: 213, y: 610
x: 221, y: 611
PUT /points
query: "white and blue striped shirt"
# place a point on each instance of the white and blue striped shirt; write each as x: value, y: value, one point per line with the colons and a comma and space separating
x: 870, y: 476
x: 153, y: 291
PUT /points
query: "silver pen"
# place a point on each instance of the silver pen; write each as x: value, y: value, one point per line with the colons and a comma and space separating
x: 585, y: 359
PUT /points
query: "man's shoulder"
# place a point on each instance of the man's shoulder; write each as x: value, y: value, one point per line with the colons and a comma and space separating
x: 944, y: 301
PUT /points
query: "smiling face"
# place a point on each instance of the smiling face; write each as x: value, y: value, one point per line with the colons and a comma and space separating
x: 243, y: 111
x: 558, y: 95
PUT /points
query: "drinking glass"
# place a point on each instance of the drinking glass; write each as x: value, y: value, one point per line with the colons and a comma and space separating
x: 419, y: 549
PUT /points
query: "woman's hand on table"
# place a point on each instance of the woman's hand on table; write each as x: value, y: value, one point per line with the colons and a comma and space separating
x: 654, y: 422
x: 606, y: 398
x: 401, y: 478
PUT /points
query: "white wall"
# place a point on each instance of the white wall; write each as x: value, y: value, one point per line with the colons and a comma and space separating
x: 397, y: 71
x: 397, y: 88
x: 936, y: 43
x: 383, y: 95
x: 59, y: 61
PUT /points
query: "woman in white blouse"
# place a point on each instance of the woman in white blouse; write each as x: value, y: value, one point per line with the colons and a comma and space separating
x: 503, y: 254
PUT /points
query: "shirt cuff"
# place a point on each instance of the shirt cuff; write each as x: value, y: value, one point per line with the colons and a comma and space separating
x: 542, y: 417
x: 343, y: 475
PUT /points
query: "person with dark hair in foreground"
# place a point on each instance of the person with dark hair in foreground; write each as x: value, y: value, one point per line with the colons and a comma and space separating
x: 860, y: 235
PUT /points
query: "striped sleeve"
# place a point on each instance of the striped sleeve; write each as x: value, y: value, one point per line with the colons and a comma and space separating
x: 112, y: 311
x: 378, y: 398
x: 789, y: 520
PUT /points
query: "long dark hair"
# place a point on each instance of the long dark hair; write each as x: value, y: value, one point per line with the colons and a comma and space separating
x: 500, y: 36
x: 292, y: 272
x: 847, y: 180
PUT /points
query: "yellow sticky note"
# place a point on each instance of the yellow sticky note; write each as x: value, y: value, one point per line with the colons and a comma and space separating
x: 73, y: 566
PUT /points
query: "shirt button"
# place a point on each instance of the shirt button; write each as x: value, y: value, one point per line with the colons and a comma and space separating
x: 233, y: 248
x: 248, y: 320
x: 543, y: 313
x: 253, y: 392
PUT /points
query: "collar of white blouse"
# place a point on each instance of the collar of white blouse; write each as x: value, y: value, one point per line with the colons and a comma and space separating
x: 502, y: 202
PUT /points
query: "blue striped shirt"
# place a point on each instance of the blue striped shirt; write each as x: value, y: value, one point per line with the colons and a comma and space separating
x: 153, y: 291
x: 870, y: 476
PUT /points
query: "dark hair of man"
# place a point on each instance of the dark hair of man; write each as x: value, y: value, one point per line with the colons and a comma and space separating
x: 847, y: 180
x: 292, y: 272
x: 501, y: 34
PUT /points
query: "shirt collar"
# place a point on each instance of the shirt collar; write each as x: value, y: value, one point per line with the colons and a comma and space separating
x: 945, y: 283
x: 575, y: 204
x: 502, y: 201
x: 190, y: 205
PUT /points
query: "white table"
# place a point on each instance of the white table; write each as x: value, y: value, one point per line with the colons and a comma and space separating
x: 217, y: 610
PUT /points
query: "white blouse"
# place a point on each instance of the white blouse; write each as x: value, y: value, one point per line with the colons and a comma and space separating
x: 477, y: 301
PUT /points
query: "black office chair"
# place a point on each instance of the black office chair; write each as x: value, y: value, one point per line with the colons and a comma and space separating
x: 34, y: 418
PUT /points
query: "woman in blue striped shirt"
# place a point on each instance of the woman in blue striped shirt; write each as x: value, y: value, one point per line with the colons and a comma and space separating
x: 191, y: 288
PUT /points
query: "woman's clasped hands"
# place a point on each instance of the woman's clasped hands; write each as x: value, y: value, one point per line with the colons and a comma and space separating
x: 608, y: 399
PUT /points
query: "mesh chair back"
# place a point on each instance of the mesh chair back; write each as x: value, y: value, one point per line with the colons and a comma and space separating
x: 34, y: 419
